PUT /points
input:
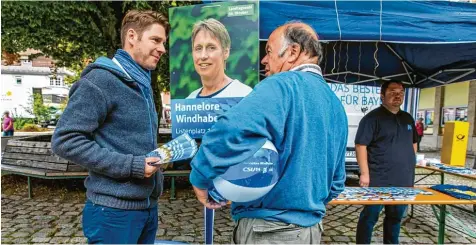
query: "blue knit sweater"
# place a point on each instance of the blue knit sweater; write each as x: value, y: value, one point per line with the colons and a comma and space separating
x: 106, y: 129
x: 306, y: 122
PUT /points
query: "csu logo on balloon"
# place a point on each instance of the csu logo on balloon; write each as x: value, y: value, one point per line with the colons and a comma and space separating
x: 254, y: 169
x: 250, y: 179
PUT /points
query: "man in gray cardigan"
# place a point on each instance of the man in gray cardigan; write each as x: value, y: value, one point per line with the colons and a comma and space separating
x: 109, y: 126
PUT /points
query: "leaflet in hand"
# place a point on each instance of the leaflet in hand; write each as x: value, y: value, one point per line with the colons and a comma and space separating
x: 180, y: 148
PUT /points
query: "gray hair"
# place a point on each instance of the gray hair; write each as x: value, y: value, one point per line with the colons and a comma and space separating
x: 216, y: 28
x: 302, y: 37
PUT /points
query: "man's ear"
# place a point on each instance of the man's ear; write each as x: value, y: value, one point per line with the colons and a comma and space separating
x: 295, y: 52
x: 131, y: 37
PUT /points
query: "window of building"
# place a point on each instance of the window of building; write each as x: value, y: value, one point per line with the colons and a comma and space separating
x: 47, y: 98
x: 428, y: 118
x: 53, y: 98
x: 459, y: 113
x: 58, y: 99
x: 56, y: 81
x: 18, y: 80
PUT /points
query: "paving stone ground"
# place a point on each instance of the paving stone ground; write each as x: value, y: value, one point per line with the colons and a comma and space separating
x: 55, y: 219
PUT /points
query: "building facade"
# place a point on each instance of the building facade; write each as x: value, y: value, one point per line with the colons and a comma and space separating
x: 453, y: 102
x: 21, y: 81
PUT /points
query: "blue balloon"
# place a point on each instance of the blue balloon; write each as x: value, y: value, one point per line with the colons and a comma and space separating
x: 250, y: 179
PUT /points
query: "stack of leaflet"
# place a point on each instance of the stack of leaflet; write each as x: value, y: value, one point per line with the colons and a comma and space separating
x: 453, y: 169
x: 180, y: 148
x: 457, y: 191
x: 380, y: 193
x: 432, y: 161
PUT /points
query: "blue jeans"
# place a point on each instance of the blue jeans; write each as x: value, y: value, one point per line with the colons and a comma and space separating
x: 8, y: 133
x: 391, y: 223
x: 105, y: 225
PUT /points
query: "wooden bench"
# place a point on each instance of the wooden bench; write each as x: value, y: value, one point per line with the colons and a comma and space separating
x: 172, y: 174
x: 32, y: 157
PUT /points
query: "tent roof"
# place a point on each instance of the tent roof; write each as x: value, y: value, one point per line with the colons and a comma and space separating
x: 422, y: 43
x: 390, y: 21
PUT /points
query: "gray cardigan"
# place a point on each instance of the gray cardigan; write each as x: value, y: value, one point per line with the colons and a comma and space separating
x: 105, y: 128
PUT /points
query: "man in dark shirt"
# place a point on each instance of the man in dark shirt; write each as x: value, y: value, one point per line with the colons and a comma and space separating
x: 385, y: 145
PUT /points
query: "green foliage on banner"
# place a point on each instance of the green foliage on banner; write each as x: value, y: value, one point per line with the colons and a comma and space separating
x: 243, y: 63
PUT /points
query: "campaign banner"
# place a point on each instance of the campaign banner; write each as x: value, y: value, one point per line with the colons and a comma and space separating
x: 357, y: 98
x: 214, y: 62
x: 195, y: 117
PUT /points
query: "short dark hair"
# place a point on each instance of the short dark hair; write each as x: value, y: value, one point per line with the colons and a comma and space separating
x: 385, y: 85
x: 140, y: 20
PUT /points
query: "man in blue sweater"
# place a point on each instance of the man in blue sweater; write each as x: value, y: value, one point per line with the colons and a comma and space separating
x: 109, y: 126
x: 296, y: 110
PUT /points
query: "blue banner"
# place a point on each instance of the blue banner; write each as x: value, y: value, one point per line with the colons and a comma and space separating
x: 197, y: 116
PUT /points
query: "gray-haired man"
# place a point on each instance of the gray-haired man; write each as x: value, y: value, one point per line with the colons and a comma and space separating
x: 295, y: 110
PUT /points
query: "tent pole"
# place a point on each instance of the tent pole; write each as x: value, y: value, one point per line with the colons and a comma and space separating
x: 361, y: 74
x: 431, y: 78
x: 436, y: 80
x: 460, y: 76
x: 337, y: 73
x: 348, y: 72
x: 467, y: 72
x: 368, y: 80
x: 332, y: 80
x: 382, y: 78
x: 399, y: 57
x: 452, y: 70
x: 422, y: 80
x: 408, y: 74
x: 405, y: 64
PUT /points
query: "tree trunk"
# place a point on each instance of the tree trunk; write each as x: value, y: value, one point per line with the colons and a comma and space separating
x: 157, y: 98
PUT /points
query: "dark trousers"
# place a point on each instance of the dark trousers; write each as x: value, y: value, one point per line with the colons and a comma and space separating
x: 391, y: 223
x: 104, y: 225
x: 8, y: 133
x: 418, y: 142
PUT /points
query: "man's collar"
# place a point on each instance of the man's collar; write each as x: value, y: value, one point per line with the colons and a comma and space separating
x: 313, y: 68
x: 388, y: 111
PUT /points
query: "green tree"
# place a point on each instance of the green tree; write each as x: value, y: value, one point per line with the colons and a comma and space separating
x: 37, y: 108
x: 76, y: 32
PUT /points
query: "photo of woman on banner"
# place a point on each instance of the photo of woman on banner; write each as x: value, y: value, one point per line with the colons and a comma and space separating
x: 214, y: 62
x: 211, y: 45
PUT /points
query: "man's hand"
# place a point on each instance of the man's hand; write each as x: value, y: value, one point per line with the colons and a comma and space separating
x: 364, y: 180
x: 150, y: 170
x: 202, y: 196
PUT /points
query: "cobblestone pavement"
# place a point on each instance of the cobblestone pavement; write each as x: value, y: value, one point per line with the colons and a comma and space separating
x: 55, y: 220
